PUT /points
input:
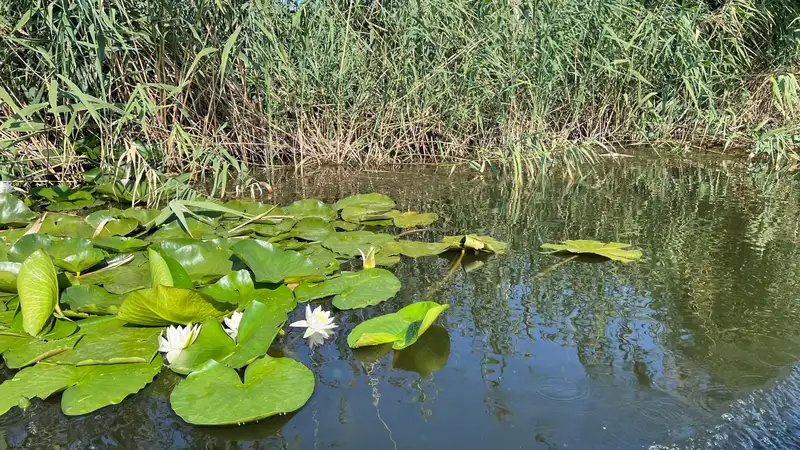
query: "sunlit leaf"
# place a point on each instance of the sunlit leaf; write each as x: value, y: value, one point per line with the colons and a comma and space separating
x: 302, y: 209
x: 611, y: 250
x: 37, y: 285
x: 272, y: 264
x: 373, y: 202
x: 91, y: 300
x: 75, y: 254
x: 401, y: 328
x: 352, y: 289
x: 411, y: 220
x: 14, y: 212
x: 473, y: 242
x: 164, y: 305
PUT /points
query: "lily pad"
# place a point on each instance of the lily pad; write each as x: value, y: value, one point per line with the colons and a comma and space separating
x: 75, y: 254
x: 412, y: 219
x: 352, y: 289
x: 65, y: 225
x: 174, y: 230
x: 349, y: 243
x: 119, y: 244
x: 611, y: 250
x: 8, y: 276
x: 271, y: 386
x: 272, y: 264
x: 253, y: 208
x: 28, y: 244
x: 358, y: 214
x: 263, y: 229
x: 106, y: 340
x: 203, y: 261
x: 373, y: 201
x: 91, y: 300
x: 165, y: 271
x: 259, y: 326
x: 37, y: 284
x: 302, y: 209
x: 88, y: 388
x: 414, y: 249
x: 312, y: 229
x: 401, y: 328
x: 76, y: 200
x: 117, y: 227
x: 13, y: 211
x: 141, y: 215
x: 485, y: 244
x: 164, y: 305
x: 123, y: 279
x: 31, y: 351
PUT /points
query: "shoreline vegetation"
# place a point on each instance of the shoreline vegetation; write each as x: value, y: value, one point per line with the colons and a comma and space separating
x: 213, y: 89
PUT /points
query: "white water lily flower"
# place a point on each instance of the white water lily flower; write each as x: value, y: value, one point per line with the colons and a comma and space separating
x: 175, y: 339
x: 318, y: 325
x: 232, y: 324
x: 6, y: 187
x: 368, y: 258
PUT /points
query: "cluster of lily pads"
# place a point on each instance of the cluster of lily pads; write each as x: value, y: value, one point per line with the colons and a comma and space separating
x: 87, y: 301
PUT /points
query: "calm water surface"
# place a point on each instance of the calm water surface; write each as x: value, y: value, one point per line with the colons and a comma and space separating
x: 694, y: 347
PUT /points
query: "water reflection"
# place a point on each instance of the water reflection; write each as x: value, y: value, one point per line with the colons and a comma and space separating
x: 675, y: 351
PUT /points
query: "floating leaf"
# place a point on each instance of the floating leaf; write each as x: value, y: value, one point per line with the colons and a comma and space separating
x: 13, y: 211
x: 75, y: 254
x: 312, y: 229
x: 357, y: 214
x: 28, y: 244
x: 485, y: 244
x: 8, y: 276
x: 412, y: 219
x: 141, y: 215
x: 271, y: 386
x: 349, y: 243
x: 302, y: 209
x: 91, y: 300
x: 373, y: 201
x: 611, y: 250
x: 259, y: 326
x: 203, y: 261
x: 119, y: 244
x: 164, y: 305
x: 65, y: 225
x: 31, y: 351
x: 123, y: 279
x: 345, y: 226
x: 76, y: 200
x: 165, y: 271
x: 271, y: 264
x: 414, y: 249
x: 174, y: 230
x: 264, y: 229
x: 106, y: 340
x: 253, y: 208
x: 88, y: 388
x: 402, y: 328
x: 37, y: 285
x: 236, y: 287
x: 116, y: 227
x: 352, y: 289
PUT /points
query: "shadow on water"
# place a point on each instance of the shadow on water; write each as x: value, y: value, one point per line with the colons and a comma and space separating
x: 695, y: 346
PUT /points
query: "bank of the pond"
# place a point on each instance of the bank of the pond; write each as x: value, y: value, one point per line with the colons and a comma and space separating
x: 203, y: 86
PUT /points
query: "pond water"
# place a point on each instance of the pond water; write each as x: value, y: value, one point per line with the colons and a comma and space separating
x: 693, y: 347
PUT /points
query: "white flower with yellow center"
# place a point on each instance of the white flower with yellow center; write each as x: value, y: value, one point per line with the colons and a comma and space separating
x: 176, y: 339
x: 232, y: 325
x: 319, y: 325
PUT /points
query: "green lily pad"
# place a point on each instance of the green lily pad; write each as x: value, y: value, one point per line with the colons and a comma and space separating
x: 164, y: 305
x: 141, y: 215
x: 352, y: 289
x: 106, y: 340
x: 28, y: 244
x: 411, y: 219
x: 124, y: 192
x: 611, y: 250
x: 75, y: 254
x: 401, y: 328
x: 203, y: 261
x: 358, y: 214
x: 253, y: 208
x: 13, y: 211
x: 123, y: 279
x: 264, y: 229
x: 258, y: 327
x: 65, y: 225
x: 272, y: 264
x: 31, y: 351
x: 373, y: 201
x: 88, y: 388
x: 119, y: 244
x: 117, y: 227
x: 414, y: 249
x: 349, y: 243
x: 166, y: 271
x: 76, y: 200
x: 91, y: 300
x: 302, y: 209
x: 429, y: 354
x: 174, y: 230
x: 271, y: 386
x: 312, y: 229
x: 37, y: 284
x: 321, y: 256
x: 236, y: 287
x: 8, y: 276
x: 485, y: 244
x: 345, y: 226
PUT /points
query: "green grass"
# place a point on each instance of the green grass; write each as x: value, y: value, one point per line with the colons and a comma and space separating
x: 212, y: 87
